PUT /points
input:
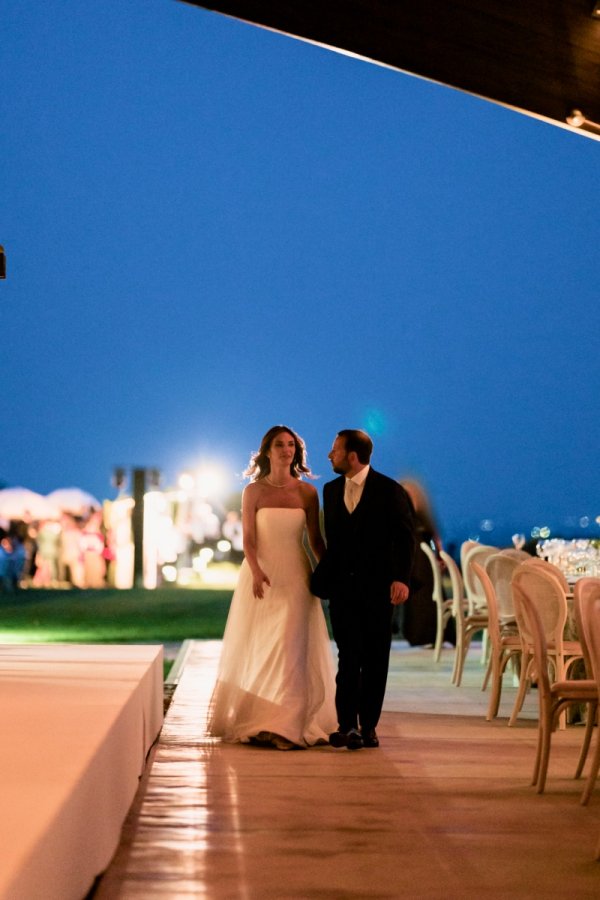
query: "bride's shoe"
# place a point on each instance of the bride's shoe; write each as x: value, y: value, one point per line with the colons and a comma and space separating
x: 263, y: 738
x: 267, y: 738
x: 282, y: 743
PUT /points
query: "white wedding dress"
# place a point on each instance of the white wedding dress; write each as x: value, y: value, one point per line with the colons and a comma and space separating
x: 276, y: 669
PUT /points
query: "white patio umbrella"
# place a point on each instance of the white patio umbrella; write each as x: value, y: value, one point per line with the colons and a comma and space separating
x: 21, y: 503
x: 73, y: 500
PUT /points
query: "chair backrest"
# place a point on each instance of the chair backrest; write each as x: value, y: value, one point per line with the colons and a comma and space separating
x: 492, y: 606
x: 521, y: 555
x: 500, y: 567
x: 535, y: 627
x: 593, y: 635
x: 587, y: 591
x: 456, y: 584
x: 550, y: 567
x: 438, y: 593
x: 542, y: 589
x: 473, y: 587
x: 464, y: 549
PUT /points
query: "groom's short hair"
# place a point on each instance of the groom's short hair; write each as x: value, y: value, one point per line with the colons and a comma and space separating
x: 358, y: 442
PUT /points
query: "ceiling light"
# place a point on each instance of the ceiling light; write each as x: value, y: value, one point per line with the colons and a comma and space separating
x: 578, y: 120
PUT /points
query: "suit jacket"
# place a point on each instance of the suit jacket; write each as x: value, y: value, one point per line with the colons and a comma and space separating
x: 371, y: 547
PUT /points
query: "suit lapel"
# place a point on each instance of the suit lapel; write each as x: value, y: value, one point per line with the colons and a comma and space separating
x: 340, y: 506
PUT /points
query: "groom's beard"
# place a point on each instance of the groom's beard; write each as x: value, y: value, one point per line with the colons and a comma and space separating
x: 339, y: 470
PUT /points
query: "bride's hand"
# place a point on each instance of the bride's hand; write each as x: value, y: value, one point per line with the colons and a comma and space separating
x: 259, y: 578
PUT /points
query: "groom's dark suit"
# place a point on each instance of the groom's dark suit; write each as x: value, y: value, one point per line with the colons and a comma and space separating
x: 366, y: 550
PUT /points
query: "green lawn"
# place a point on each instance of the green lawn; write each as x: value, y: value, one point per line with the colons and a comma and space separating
x: 107, y: 616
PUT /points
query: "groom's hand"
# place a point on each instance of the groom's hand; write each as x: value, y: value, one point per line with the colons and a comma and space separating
x: 398, y: 593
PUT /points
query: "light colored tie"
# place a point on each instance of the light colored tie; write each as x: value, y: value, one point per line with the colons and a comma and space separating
x: 350, y: 495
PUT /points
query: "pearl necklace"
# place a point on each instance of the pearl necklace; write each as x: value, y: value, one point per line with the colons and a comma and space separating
x: 272, y: 483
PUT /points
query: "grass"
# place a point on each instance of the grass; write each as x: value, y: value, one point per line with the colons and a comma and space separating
x: 112, y: 616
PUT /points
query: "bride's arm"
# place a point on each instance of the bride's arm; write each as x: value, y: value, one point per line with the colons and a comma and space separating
x: 259, y: 578
x: 313, y: 528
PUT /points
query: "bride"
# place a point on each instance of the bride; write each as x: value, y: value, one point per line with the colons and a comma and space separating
x: 275, y: 683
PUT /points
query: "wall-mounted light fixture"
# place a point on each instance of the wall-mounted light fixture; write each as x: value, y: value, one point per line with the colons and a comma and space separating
x: 577, y: 119
x: 596, y: 10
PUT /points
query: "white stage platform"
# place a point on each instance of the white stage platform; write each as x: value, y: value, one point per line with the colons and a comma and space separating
x: 77, y: 723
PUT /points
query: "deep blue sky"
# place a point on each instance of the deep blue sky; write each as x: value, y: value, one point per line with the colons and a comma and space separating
x: 211, y: 228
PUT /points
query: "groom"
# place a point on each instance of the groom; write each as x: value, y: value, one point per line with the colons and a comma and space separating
x: 364, y: 574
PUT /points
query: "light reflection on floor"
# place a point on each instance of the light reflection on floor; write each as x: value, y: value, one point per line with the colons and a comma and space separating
x: 428, y: 811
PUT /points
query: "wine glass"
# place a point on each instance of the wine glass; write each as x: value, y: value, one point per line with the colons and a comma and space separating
x: 518, y: 541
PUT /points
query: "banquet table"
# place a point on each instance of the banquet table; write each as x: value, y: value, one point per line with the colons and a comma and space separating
x: 78, y: 722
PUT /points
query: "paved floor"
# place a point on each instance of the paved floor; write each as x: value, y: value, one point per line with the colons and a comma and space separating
x: 443, y: 809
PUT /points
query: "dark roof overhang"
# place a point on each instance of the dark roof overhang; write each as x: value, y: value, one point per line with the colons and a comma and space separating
x: 541, y: 57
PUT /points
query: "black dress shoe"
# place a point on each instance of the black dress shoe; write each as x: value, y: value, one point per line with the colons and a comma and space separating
x: 338, y: 739
x: 350, y: 739
x: 354, y: 740
x: 369, y: 738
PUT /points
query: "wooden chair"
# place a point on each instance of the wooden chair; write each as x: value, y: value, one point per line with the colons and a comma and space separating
x: 502, y: 647
x: 586, y: 594
x: 473, y: 589
x: 467, y: 625
x: 553, y: 697
x: 464, y: 549
x: 550, y: 567
x: 520, y: 555
x: 500, y: 568
x: 443, y: 606
x: 545, y: 591
x: 593, y: 637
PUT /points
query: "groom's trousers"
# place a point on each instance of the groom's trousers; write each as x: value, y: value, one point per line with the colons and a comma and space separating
x: 362, y: 629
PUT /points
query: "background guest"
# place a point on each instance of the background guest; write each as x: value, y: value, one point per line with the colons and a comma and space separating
x: 92, y: 545
x: 48, y: 552
x: 418, y: 621
x: 71, y: 557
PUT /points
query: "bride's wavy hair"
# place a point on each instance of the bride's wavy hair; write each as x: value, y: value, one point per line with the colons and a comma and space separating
x: 260, y: 464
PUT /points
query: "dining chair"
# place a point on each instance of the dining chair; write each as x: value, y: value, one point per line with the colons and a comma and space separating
x: 586, y: 594
x: 500, y: 568
x: 502, y: 647
x: 546, y: 592
x: 467, y: 624
x: 473, y: 589
x: 464, y: 549
x: 550, y: 567
x: 443, y: 606
x: 553, y: 697
x: 593, y: 638
x: 521, y: 555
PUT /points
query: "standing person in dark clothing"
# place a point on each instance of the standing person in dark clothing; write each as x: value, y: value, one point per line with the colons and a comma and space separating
x: 364, y: 573
x: 419, y: 616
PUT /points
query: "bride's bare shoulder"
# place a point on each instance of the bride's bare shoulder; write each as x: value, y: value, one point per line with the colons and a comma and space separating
x: 308, y: 490
x: 257, y: 485
x: 253, y: 489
